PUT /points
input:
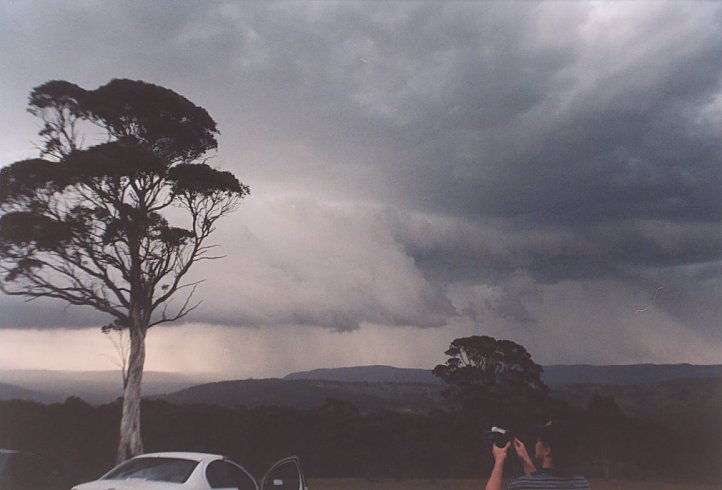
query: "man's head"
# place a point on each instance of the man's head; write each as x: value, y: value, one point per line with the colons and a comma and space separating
x: 554, y: 446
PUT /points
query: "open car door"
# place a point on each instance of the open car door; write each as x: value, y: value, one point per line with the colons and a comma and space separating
x: 286, y: 474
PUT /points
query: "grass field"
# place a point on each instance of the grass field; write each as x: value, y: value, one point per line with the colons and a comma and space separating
x: 362, y: 484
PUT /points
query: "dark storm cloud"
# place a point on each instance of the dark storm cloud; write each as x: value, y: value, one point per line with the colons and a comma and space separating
x: 524, y: 113
x: 489, y: 155
x: 515, y: 111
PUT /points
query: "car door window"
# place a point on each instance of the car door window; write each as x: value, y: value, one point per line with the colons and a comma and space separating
x: 286, y: 475
x: 224, y: 474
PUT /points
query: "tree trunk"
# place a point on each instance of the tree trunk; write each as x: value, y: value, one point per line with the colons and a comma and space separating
x: 131, y: 443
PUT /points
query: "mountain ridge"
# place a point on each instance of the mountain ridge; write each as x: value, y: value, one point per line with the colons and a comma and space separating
x: 105, y: 386
x: 554, y: 374
x: 48, y: 386
x: 308, y: 394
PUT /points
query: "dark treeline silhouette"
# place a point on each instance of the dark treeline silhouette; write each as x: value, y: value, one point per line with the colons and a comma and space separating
x: 336, y: 440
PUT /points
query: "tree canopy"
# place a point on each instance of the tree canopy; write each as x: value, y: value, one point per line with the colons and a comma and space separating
x: 496, y: 379
x: 92, y: 225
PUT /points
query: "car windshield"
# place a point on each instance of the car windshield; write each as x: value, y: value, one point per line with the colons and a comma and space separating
x: 173, y: 470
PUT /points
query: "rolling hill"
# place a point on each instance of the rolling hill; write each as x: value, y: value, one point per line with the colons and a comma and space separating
x: 308, y: 394
x: 688, y: 394
x: 368, y: 374
x: 684, y: 404
x: 92, y: 386
x: 631, y: 374
x: 12, y: 392
x: 554, y: 375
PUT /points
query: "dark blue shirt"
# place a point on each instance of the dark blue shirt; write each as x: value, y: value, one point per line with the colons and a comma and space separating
x: 548, y: 479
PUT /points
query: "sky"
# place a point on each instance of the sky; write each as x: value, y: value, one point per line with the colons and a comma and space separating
x: 544, y: 172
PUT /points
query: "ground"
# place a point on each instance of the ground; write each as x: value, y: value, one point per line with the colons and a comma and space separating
x: 363, y: 484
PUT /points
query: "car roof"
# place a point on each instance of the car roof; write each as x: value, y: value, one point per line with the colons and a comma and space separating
x: 182, y: 455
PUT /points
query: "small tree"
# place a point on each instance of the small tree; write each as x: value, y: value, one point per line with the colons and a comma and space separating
x: 495, y: 380
x: 91, y: 225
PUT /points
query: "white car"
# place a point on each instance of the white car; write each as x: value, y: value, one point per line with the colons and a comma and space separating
x: 195, y: 471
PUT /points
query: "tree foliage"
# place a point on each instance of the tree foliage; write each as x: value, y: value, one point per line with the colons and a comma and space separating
x: 117, y: 225
x: 336, y: 441
x: 496, y: 379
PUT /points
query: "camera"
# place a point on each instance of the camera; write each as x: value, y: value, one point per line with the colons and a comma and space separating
x: 499, y: 436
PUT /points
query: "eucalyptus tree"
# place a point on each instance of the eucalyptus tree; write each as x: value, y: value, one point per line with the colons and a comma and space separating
x: 496, y: 380
x: 115, y: 225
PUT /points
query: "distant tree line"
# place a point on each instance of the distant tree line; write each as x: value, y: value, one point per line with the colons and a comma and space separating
x: 336, y: 440
x: 488, y: 382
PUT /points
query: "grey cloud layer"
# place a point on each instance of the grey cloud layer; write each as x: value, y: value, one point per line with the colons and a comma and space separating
x: 296, y: 262
x: 519, y: 112
x: 448, y: 162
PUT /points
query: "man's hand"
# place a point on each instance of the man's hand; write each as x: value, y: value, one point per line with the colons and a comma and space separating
x: 526, y: 461
x: 500, y: 453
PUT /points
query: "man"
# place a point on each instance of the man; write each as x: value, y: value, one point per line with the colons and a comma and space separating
x: 553, y: 453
